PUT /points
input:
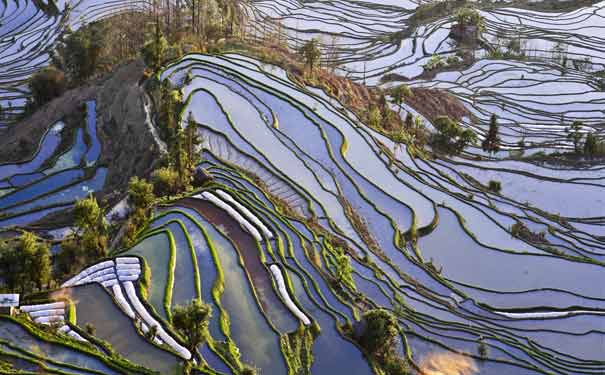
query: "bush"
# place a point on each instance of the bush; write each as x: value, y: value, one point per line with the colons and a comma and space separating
x: 452, y: 138
x: 46, y: 85
x: 494, y: 186
x: 380, y: 333
x: 140, y: 193
x: 165, y: 181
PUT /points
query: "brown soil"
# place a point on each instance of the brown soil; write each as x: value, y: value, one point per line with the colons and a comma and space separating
x: 433, y: 103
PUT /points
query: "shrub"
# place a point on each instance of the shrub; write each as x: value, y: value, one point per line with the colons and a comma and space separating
x: 494, y: 186
x: 374, y: 118
x: 451, y: 137
x: 46, y: 85
x: 381, y: 332
x: 165, y: 181
x: 140, y: 193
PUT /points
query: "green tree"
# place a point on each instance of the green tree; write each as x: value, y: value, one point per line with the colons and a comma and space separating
x: 590, y: 145
x: 25, y: 263
x: 491, y: 143
x: 192, y: 141
x: 92, y: 228
x: 399, y: 93
x: 191, y: 322
x: 78, y: 54
x: 468, y: 16
x: 41, y: 265
x: 154, y: 50
x: 165, y: 181
x: 140, y: 193
x: 451, y: 137
x: 380, y: 333
x: 46, y: 85
x: 311, y: 53
x: 70, y: 258
x: 575, y: 135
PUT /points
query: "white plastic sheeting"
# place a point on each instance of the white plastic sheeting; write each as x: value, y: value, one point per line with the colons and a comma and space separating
x: 281, y: 286
x: 122, y: 302
x: 232, y: 212
x: 89, y: 274
x: 45, y: 306
x: 149, y: 320
x: 547, y: 314
x: 249, y: 215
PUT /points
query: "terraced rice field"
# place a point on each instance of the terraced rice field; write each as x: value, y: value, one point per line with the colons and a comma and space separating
x: 293, y: 172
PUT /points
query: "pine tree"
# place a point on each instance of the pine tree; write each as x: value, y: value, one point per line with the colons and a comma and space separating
x: 590, y: 145
x: 491, y: 143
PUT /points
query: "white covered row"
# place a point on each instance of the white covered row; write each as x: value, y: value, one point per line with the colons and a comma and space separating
x: 76, y: 335
x: 119, y: 296
x: 88, y: 274
x: 149, y: 320
x: 127, y: 260
x: 255, y: 220
x: 51, y: 312
x: 547, y: 314
x: 232, y: 212
x: 281, y: 286
x: 68, y: 331
x: 45, y: 306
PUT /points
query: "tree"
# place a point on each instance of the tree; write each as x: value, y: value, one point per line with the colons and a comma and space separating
x: 491, y: 143
x: 154, y: 51
x: 41, y: 265
x: 380, y: 333
x: 71, y: 258
x: 165, y: 181
x: 451, y: 137
x: 88, y: 215
x: 590, y: 145
x: 79, y: 53
x: 399, y: 93
x: 25, y: 264
x: 46, y: 85
x: 574, y: 134
x: 311, y: 53
x: 191, y: 322
x: 92, y: 228
x: 468, y: 16
x: 192, y: 141
x: 140, y: 193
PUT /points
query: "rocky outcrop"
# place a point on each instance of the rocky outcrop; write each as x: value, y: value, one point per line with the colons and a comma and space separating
x: 129, y: 147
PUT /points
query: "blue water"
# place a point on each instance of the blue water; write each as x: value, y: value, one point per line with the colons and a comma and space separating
x: 92, y: 155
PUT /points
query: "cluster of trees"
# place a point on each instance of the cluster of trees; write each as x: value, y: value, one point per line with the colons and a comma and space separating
x: 25, y: 264
x: 451, y: 138
x: 588, y: 145
x: 468, y: 16
x: 89, y: 242
x: 379, y: 340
